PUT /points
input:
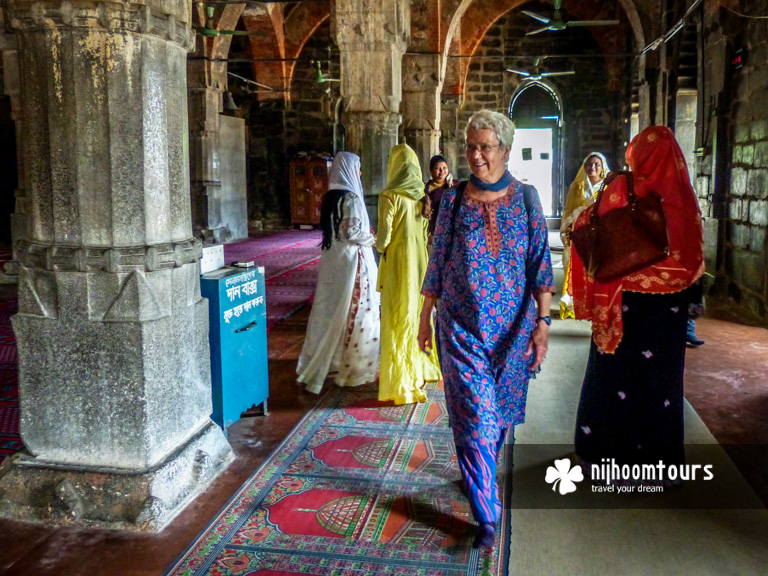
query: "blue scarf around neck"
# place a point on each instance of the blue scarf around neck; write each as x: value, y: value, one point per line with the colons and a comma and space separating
x: 503, y: 183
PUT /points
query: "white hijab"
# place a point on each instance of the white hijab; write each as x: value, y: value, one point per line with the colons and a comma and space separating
x: 345, y: 175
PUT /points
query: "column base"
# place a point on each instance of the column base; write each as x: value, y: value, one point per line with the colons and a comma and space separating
x: 9, y: 274
x: 146, y: 500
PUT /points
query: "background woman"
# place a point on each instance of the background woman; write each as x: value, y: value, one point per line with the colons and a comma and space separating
x: 582, y: 193
x: 631, y: 406
x: 402, y: 241
x: 440, y: 182
x: 491, y: 269
x: 343, y: 328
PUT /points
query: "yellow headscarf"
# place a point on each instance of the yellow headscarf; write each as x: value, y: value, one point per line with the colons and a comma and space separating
x: 577, y: 192
x: 404, y: 173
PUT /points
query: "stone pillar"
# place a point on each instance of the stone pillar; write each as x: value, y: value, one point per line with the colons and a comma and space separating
x: 451, y: 138
x: 114, y: 369
x: 204, y: 163
x: 371, y: 135
x: 421, y: 106
x: 372, y: 36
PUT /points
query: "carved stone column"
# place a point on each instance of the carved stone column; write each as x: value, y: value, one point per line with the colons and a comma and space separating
x: 421, y: 106
x: 451, y: 138
x: 114, y: 374
x: 371, y: 135
x: 204, y: 165
x: 372, y: 36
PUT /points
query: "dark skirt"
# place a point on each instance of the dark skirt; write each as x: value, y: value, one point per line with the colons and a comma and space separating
x: 631, y: 406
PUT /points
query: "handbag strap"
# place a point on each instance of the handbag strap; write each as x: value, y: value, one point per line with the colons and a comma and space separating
x: 631, y: 198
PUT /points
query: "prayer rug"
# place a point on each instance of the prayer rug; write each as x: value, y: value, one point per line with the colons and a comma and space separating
x: 359, y: 487
x: 278, y: 252
x: 10, y: 441
x: 291, y: 291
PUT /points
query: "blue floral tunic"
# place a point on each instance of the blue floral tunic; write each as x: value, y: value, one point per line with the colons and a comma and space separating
x: 486, y: 269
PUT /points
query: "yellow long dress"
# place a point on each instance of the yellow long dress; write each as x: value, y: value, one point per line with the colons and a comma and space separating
x: 402, y: 241
x: 581, y: 194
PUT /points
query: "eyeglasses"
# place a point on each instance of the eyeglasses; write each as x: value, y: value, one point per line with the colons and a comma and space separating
x: 482, y: 148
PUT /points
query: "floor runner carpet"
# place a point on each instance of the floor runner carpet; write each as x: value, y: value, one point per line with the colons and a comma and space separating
x: 358, y: 488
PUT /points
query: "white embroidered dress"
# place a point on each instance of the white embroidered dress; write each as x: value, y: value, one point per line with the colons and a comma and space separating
x: 344, y: 324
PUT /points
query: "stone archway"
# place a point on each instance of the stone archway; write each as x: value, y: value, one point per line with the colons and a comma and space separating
x: 537, y: 107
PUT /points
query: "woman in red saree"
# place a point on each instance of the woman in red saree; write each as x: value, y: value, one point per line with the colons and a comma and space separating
x: 631, y: 406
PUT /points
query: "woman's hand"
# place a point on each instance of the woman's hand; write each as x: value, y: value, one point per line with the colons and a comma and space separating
x: 538, y: 345
x: 539, y: 342
x: 425, y: 325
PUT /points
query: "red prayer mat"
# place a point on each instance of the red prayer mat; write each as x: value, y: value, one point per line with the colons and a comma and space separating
x: 10, y: 441
x: 358, y: 488
x: 291, y: 261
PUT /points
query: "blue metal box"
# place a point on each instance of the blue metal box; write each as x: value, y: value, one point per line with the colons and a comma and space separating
x: 238, y: 337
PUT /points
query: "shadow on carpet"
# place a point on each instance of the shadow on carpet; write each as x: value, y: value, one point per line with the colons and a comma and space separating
x: 358, y: 487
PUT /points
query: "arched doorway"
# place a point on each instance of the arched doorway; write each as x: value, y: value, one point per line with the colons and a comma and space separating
x: 536, y: 157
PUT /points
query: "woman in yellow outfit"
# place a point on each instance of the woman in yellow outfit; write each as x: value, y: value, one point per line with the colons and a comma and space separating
x: 402, y: 241
x: 581, y: 193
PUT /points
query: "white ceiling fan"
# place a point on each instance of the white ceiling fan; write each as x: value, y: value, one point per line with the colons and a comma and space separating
x: 556, y: 23
x: 536, y: 75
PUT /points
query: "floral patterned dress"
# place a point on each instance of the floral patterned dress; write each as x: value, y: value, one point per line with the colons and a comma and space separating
x: 486, y: 267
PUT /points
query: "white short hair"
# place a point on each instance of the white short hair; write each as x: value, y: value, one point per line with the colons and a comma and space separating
x: 502, y: 126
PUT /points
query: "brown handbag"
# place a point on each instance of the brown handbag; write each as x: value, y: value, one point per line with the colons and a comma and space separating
x: 623, y: 240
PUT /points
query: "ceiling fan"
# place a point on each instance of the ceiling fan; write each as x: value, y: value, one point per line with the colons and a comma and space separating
x: 556, y: 23
x: 320, y: 77
x: 209, y: 29
x: 536, y: 75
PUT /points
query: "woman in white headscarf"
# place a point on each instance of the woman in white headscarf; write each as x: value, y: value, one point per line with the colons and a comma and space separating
x: 343, y: 329
x: 582, y: 193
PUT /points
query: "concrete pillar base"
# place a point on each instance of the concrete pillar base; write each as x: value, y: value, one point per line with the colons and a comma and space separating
x: 34, y: 490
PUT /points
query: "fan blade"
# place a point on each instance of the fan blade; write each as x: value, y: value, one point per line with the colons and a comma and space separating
x: 592, y: 23
x: 207, y: 32
x: 536, y: 16
x: 518, y: 72
x: 239, y: 33
x: 537, y: 31
x: 564, y: 73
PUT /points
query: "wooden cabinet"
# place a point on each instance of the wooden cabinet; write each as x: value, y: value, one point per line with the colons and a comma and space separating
x: 309, y: 181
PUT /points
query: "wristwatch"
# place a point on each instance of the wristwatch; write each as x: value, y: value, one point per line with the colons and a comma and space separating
x: 546, y: 319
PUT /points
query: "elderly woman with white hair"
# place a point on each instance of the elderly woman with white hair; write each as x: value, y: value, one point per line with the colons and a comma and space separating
x: 492, y: 272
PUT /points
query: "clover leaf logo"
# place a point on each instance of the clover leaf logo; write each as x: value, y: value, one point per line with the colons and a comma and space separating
x: 563, y: 474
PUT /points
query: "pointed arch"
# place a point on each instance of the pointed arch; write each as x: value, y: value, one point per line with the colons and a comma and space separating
x: 300, y: 24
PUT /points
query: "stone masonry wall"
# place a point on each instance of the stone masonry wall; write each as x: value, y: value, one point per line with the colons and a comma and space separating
x: 738, y: 209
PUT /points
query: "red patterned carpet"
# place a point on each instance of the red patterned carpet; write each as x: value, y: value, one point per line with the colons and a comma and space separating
x: 10, y: 441
x: 358, y: 487
x: 291, y: 261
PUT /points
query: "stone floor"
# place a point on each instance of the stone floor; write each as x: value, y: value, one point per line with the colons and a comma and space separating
x: 725, y: 383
